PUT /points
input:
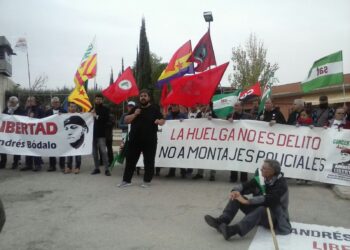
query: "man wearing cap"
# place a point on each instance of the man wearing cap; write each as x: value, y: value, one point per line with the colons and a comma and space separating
x: 254, y: 208
x: 144, y: 122
x: 122, y: 125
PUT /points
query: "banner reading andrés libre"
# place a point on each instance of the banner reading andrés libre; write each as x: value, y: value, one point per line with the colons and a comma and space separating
x: 56, y: 135
x: 310, y: 154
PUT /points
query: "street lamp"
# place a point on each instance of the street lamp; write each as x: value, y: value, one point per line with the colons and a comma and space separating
x: 208, y: 17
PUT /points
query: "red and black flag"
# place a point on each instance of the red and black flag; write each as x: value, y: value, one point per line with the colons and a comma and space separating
x: 203, y: 54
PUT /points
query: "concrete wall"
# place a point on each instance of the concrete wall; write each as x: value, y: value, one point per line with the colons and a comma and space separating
x: 5, y: 84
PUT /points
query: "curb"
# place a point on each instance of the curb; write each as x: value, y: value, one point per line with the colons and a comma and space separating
x: 342, y: 191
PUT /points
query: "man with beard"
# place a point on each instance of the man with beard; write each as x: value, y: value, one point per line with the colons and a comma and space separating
x: 323, y: 114
x: 144, y: 122
x: 55, y: 109
x: 101, y: 116
x: 271, y: 114
x: 12, y: 108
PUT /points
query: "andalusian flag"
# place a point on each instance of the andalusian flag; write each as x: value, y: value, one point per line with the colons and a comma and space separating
x: 324, y: 72
x: 80, y: 97
x: 88, y: 66
x: 260, y: 180
x: 223, y: 103
x: 266, y: 95
x: 178, y: 65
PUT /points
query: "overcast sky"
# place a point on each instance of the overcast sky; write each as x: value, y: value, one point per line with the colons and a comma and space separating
x: 295, y: 32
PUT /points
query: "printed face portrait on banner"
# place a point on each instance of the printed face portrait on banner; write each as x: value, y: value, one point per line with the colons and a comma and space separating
x: 75, y: 128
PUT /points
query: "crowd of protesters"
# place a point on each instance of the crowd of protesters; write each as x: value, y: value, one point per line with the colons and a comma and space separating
x: 145, y: 116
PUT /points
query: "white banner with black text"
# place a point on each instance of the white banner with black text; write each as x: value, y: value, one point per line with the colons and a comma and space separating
x: 304, y: 153
x: 56, y: 135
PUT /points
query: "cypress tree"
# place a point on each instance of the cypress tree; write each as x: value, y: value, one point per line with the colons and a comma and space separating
x: 143, y: 63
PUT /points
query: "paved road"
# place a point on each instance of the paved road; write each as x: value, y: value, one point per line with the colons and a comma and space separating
x: 56, y: 211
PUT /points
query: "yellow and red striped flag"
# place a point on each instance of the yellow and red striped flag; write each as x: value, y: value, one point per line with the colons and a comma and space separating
x: 80, y: 97
x: 88, y: 66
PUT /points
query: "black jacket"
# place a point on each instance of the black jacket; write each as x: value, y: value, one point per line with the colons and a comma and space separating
x: 276, y: 198
x: 50, y: 111
x: 274, y: 114
x: 101, y: 121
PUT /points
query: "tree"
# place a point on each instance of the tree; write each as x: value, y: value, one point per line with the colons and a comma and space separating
x: 40, y: 83
x: 143, y: 64
x: 157, y: 69
x: 250, y: 65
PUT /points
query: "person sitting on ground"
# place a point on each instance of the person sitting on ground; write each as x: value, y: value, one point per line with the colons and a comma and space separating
x: 255, y: 208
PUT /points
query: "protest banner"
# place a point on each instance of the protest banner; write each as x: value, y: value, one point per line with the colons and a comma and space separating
x: 304, y: 153
x: 56, y: 135
x: 304, y: 236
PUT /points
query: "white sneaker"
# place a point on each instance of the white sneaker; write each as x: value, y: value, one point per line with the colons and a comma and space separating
x: 124, y: 184
x: 145, y: 185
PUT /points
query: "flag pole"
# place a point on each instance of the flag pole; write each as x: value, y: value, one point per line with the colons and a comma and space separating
x: 275, y: 243
x: 30, y: 86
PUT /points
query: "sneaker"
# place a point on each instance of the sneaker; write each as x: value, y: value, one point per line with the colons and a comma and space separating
x: 197, y: 176
x: 124, y: 184
x: 211, y: 221
x: 96, y: 171
x: 107, y: 173
x: 76, y: 170
x: 223, y: 229
x: 145, y: 185
x: 228, y: 231
x: 67, y: 171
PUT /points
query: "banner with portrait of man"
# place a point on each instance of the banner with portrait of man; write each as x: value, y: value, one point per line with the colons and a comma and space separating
x: 56, y: 135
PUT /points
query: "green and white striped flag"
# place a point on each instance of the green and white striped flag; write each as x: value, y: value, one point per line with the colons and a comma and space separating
x: 223, y: 103
x: 324, y: 72
x: 260, y: 180
x: 266, y: 95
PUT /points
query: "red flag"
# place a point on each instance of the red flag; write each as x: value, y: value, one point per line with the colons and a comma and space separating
x: 195, y: 89
x: 203, y: 53
x: 164, y: 94
x: 251, y: 92
x: 124, y: 87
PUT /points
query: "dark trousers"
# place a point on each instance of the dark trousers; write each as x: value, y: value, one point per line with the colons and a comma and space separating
x: 77, y: 161
x: 254, y: 215
x: 3, y: 161
x: 109, y: 145
x: 234, y: 176
x: 33, y: 159
x: 133, y: 152
x: 182, y: 171
x: 62, y: 162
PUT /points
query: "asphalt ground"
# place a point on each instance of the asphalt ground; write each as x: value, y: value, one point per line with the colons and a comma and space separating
x: 51, y: 210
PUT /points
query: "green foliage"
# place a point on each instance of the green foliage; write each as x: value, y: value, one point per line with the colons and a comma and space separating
x: 250, y: 65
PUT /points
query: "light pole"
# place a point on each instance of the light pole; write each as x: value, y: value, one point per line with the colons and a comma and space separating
x: 208, y: 17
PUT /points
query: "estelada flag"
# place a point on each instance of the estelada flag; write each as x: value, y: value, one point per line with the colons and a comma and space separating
x: 80, y: 97
x: 123, y: 88
x: 203, y: 54
x: 251, y: 92
x: 178, y: 65
x: 88, y: 65
x: 195, y: 89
